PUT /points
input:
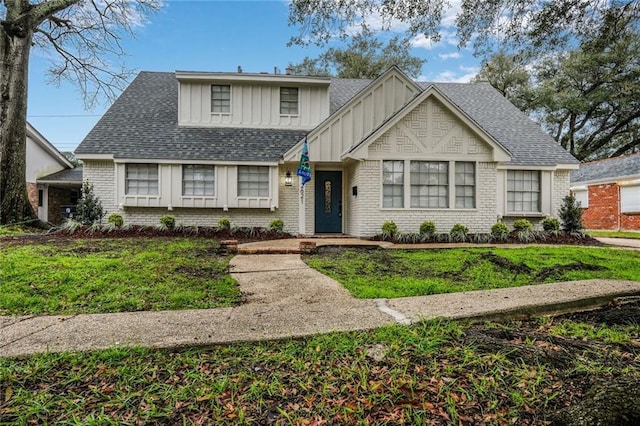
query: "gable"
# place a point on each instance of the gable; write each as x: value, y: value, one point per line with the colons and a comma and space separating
x: 434, y: 130
x: 374, y: 105
x: 430, y: 125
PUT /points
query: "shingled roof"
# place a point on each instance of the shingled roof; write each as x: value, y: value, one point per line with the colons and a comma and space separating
x: 143, y: 123
x: 609, y: 169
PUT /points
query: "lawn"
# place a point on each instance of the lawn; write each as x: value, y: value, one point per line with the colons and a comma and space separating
x: 377, y: 273
x: 616, y: 234
x: 436, y: 372
x: 113, y: 275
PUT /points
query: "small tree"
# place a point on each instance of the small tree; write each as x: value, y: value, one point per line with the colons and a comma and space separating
x: 571, y: 214
x: 89, y: 208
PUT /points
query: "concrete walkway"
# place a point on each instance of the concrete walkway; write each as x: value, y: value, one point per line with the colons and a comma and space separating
x: 285, y: 298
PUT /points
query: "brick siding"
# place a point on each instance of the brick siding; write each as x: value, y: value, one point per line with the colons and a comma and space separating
x: 604, y: 210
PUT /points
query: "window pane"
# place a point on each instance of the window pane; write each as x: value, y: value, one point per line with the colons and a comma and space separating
x: 141, y: 179
x: 221, y: 98
x: 198, y: 180
x: 523, y: 191
x: 393, y: 184
x: 289, y: 100
x: 429, y: 184
x: 253, y: 181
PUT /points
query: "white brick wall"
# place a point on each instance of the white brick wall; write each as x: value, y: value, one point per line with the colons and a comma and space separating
x: 102, y: 175
x: 561, y: 186
x: 366, y: 217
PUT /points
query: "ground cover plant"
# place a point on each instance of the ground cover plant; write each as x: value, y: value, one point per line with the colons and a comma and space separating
x: 532, y: 372
x: 378, y: 273
x: 69, y: 276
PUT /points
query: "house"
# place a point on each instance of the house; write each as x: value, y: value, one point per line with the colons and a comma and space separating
x: 206, y: 145
x: 609, y: 192
x: 52, y: 181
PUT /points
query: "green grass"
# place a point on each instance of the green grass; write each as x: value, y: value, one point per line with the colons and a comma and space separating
x: 398, y: 273
x: 113, y: 275
x: 431, y: 373
x: 615, y: 234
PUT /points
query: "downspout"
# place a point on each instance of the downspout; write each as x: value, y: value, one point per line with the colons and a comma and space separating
x: 619, y: 206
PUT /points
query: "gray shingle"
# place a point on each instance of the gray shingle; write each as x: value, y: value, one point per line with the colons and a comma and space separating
x: 67, y: 175
x: 143, y: 123
x: 611, y: 168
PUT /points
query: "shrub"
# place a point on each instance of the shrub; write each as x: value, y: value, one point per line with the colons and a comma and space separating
x: 500, y: 231
x: 551, y: 224
x: 389, y: 229
x: 410, y: 238
x: 428, y: 228
x: 276, y: 225
x: 522, y: 225
x: 168, y: 221
x: 89, y: 208
x: 116, y: 220
x: 458, y: 233
x: 571, y: 214
x: 224, y: 224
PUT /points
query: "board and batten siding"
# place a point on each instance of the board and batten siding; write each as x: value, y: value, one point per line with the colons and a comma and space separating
x: 253, y: 104
x: 358, y: 118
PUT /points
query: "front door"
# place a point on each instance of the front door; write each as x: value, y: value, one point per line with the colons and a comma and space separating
x: 328, y: 202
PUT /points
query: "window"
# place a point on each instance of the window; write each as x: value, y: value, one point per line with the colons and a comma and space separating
x: 198, y: 180
x: 582, y: 196
x: 289, y: 100
x: 40, y: 197
x: 253, y: 181
x: 523, y: 191
x: 465, y: 185
x: 221, y: 98
x: 393, y: 184
x: 429, y: 184
x: 630, y: 199
x: 141, y: 179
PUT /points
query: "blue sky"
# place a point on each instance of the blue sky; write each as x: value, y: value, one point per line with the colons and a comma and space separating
x: 207, y: 35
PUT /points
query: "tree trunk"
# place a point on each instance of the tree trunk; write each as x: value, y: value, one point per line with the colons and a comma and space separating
x: 15, y: 45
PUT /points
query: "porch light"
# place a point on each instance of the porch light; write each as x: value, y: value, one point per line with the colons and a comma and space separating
x: 288, y: 180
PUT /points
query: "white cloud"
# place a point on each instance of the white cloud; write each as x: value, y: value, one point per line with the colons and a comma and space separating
x: 468, y: 73
x: 452, y: 55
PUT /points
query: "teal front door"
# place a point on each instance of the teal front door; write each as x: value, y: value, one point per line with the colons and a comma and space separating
x: 328, y: 202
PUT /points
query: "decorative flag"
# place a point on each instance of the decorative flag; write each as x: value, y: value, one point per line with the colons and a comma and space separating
x: 304, y: 169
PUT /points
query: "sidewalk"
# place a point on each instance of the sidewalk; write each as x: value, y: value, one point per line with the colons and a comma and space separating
x: 287, y: 299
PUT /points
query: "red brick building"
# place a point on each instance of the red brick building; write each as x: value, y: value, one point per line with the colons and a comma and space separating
x: 609, y: 192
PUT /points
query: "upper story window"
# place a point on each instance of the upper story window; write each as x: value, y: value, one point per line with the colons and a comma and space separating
x: 523, y: 191
x: 198, y: 180
x: 141, y: 179
x: 253, y: 181
x: 221, y: 98
x: 289, y: 101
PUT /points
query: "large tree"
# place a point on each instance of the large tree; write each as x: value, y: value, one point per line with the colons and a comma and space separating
x: 490, y: 25
x: 84, y: 37
x: 364, y: 57
x: 587, y: 98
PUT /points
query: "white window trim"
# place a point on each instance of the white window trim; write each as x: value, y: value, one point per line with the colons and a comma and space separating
x: 280, y: 101
x: 541, y: 195
x: 629, y: 208
x: 199, y: 197
x: 407, y: 187
x: 142, y: 196
x: 248, y: 198
x: 215, y: 113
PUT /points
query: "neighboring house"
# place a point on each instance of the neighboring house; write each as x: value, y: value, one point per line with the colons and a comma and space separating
x: 609, y: 192
x: 205, y: 145
x: 52, y: 181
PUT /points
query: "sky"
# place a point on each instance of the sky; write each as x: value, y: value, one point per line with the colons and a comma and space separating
x: 207, y: 35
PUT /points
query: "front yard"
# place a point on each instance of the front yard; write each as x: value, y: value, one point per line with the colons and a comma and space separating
x: 69, y: 276
x: 376, y: 273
